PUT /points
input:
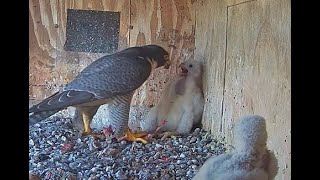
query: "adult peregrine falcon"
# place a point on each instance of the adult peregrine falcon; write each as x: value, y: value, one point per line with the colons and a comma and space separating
x: 110, y: 79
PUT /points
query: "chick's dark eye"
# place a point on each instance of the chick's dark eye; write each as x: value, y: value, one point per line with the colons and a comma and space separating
x: 190, y: 65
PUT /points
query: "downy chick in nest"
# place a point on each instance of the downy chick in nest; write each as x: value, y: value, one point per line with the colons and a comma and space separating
x: 181, y: 104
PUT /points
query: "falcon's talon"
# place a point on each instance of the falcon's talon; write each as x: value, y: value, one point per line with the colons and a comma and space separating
x: 137, y: 136
x: 141, y: 140
x: 84, y: 134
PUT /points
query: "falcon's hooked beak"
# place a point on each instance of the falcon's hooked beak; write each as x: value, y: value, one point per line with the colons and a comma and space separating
x: 167, y: 63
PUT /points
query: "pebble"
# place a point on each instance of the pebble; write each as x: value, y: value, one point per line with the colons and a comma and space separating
x: 123, y: 142
x: 194, y: 161
x: 94, y: 169
x: 120, y: 175
x: 63, y: 138
x: 182, y: 155
x: 31, y: 142
x: 173, y: 158
x: 158, y: 146
x: 189, y: 173
x: 193, y: 139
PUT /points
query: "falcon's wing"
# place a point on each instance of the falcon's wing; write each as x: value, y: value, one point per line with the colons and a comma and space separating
x: 109, y: 76
x: 62, y: 100
x: 112, y: 75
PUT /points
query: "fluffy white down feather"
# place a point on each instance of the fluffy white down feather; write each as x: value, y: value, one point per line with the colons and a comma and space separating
x: 249, y: 160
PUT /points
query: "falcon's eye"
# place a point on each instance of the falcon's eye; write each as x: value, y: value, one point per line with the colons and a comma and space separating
x: 190, y: 65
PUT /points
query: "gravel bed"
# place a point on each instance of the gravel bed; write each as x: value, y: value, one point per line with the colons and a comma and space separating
x: 57, y: 152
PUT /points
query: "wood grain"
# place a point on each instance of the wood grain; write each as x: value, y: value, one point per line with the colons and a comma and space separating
x: 51, y: 66
x: 258, y: 73
x: 244, y: 45
x: 170, y: 24
x: 210, y: 48
x: 246, y: 48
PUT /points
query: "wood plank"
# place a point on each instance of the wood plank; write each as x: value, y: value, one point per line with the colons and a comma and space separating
x: 170, y: 24
x: 41, y: 62
x: 245, y: 46
x: 236, y: 2
x: 258, y: 72
x: 210, y: 45
x: 49, y: 63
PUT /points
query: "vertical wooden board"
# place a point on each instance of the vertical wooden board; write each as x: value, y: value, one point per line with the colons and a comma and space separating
x: 170, y: 24
x: 41, y: 53
x: 50, y: 65
x: 236, y: 2
x: 258, y: 72
x: 211, y: 18
x: 39, y: 91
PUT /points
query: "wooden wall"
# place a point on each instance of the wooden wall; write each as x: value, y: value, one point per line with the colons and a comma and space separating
x: 51, y: 66
x: 170, y: 24
x: 245, y: 46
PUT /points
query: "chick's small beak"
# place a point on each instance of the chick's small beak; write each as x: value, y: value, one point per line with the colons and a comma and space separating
x: 183, y: 68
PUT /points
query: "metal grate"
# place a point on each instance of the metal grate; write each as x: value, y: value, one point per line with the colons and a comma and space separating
x: 92, y: 31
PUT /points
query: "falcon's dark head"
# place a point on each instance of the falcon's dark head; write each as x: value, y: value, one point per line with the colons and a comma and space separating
x: 158, y: 54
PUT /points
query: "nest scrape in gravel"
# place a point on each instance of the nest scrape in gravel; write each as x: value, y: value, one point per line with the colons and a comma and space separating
x: 56, y: 152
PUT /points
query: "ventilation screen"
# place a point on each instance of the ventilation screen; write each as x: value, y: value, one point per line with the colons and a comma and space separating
x: 92, y: 31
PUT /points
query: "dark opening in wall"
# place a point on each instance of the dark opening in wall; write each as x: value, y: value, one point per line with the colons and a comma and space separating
x: 92, y: 31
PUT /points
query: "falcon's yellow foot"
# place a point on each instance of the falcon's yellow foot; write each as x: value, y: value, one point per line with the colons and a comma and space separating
x: 86, y: 124
x: 87, y: 133
x: 136, y: 136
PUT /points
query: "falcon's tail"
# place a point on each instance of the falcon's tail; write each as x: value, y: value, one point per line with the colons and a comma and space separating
x: 39, y: 116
